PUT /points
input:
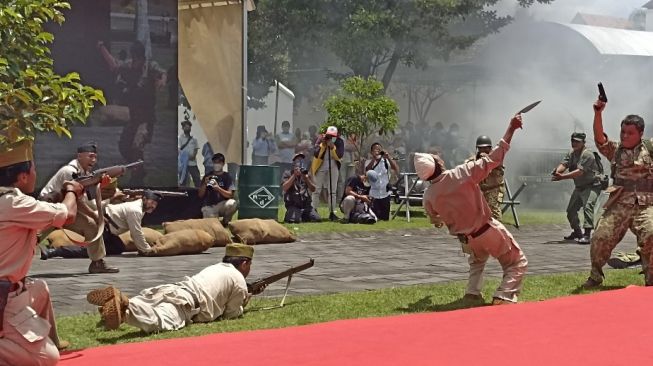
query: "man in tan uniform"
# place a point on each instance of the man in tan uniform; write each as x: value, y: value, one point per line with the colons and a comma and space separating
x: 493, y: 186
x: 84, y: 224
x: 455, y: 199
x: 120, y: 218
x: 28, y: 335
x: 630, y: 205
x: 218, y: 291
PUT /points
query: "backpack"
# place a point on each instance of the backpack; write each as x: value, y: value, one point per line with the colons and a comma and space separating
x: 604, y: 179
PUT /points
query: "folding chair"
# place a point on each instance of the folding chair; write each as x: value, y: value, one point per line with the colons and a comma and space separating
x: 511, y: 202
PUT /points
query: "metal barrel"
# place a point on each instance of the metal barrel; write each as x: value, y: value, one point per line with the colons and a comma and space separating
x: 259, y: 189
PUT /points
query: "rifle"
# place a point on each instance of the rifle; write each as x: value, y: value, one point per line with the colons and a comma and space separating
x: 257, y: 287
x: 139, y: 192
x: 95, y: 177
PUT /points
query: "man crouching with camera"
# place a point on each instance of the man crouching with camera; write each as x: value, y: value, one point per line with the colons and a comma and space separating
x: 297, y: 187
x: 382, y: 163
x: 217, y: 192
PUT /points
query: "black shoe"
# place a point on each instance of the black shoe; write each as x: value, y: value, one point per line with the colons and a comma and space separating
x: 576, y: 234
x: 591, y: 283
x: 45, y: 252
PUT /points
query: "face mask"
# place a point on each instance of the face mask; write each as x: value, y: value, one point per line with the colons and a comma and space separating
x: 366, y: 184
x: 333, y: 139
x: 217, y: 167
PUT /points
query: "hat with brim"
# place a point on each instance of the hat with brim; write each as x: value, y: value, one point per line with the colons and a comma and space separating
x: 372, y: 176
x: 298, y: 155
x: 239, y: 250
x: 18, y: 153
x: 578, y: 136
x: 424, y: 165
x: 332, y: 131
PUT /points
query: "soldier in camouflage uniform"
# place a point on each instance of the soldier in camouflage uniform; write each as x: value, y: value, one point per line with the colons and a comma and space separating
x: 630, y: 205
x: 493, y: 186
x: 584, y: 170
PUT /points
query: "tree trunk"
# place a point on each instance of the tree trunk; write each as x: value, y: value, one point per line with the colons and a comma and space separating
x: 392, y: 66
x: 143, y: 27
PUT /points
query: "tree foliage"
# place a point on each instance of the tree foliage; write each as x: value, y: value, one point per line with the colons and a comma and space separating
x: 32, y: 97
x: 361, y: 109
x: 373, y: 37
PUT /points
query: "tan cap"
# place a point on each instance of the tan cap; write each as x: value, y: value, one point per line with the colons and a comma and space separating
x: 19, y: 153
x: 239, y: 250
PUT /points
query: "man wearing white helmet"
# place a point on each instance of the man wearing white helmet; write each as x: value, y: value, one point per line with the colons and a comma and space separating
x: 455, y: 199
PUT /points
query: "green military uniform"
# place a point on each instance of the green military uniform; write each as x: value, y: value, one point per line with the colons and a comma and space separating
x: 630, y: 206
x: 493, y: 188
x: 587, y: 188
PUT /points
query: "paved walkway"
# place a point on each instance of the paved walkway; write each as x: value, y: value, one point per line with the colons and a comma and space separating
x: 343, y: 262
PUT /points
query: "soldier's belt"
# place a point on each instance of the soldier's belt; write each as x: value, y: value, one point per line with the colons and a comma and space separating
x: 634, y: 185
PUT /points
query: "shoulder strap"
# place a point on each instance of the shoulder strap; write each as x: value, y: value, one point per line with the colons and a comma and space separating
x: 187, y: 142
x: 599, y: 163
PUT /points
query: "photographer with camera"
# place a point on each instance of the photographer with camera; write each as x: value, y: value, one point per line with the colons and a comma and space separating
x: 325, y: 167
x: 356, y: 201
x: 297, y: 186
x: 217, y: 192
x: 583, y: 167
x: 382, y: 163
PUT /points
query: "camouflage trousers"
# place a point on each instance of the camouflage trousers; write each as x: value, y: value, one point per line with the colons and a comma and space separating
x: 584, y: 199
x: 612, y: 226
x: 493, y: 199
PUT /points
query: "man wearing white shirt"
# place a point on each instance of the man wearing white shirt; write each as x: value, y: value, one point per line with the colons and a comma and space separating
x: 120, y: 218
x: 382, y: 164
x: 84, y: 224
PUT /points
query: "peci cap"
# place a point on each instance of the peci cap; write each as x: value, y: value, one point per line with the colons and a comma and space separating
x: 90, y: 146
x: 19, y: 153
x: 578, y: 136
x: 239, y: 250
x: 332, y: 131
x: 151, y: 195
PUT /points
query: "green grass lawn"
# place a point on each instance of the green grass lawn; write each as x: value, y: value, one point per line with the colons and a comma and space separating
x: 84, y: 331
x: 418, y: 219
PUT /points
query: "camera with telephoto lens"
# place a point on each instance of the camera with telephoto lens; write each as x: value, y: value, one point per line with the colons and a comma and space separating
x: 302, y: 168
x: 213, y: 182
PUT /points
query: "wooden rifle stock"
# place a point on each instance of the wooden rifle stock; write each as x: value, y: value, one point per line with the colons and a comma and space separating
x: 255, y: 287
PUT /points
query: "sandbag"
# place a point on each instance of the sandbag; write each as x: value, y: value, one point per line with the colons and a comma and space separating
x: 58, y: 238
x: 151, y: 237
x: 257, y: 231
x: 212, y: 226
x: 187, y: 241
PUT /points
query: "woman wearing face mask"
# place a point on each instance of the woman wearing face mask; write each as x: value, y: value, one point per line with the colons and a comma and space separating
x: 263, y: 146
x: 217, y: 192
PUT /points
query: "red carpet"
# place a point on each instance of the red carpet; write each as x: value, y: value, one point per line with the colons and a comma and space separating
x: 608, y: 328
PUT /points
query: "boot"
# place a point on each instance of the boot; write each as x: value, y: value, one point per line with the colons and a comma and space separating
x: 46, y: 253
x: 591, y: 283
x: 585, y: 239
x: 576, y: 234
x: 101, y: 267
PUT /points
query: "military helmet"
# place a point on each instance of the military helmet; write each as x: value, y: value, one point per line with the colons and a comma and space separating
x: 483, y: 141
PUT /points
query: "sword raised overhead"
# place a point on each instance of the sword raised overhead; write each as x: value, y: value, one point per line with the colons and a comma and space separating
x: 529, y: 107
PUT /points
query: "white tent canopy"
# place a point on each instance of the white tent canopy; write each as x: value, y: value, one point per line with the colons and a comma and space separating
x: 618, y: 42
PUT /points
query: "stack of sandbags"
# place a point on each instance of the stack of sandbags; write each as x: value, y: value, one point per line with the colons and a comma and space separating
x: 187, y: 241
x: 257, y: 231
x: 212, y: 226
x: 58, y: 238
x: 151, y: 236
